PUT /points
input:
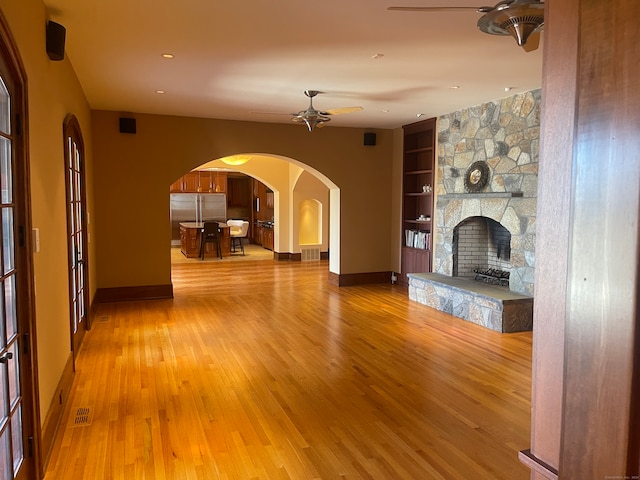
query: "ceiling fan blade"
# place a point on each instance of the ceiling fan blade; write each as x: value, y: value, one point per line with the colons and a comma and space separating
x: 342, y: 111
x: 533, y: 42
x: 272, y: 113
x: 439, y: 9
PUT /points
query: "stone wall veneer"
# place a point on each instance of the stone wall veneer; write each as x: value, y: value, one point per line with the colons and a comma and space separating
x: 504, y: 133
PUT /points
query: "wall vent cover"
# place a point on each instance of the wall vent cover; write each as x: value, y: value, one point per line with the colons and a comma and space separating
x: 310, y: 253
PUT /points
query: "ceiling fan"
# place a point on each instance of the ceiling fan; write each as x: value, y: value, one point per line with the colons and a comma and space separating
x: 522, y: 19
x: 316, y: 118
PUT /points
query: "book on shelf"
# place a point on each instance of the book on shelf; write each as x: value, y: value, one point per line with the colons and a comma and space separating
x: 417, y: 239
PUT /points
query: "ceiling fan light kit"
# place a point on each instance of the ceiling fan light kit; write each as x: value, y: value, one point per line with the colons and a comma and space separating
x: 518, y: 18
x: 315, y: 118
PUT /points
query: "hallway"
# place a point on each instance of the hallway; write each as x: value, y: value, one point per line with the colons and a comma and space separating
x: 262, y: 370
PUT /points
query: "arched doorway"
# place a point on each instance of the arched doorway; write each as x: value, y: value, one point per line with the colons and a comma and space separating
x: 289, y: 183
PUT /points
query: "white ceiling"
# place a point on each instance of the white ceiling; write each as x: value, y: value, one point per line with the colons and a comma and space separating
x: 234, y: 58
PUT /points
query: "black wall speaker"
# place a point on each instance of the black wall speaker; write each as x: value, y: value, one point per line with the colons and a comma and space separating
x: 369, y: 138
x: 127, y: 125
x: 56, y: 34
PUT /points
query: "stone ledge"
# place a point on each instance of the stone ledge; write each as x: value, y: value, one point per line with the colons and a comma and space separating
x: 496, y: 308
x: 481, y: 195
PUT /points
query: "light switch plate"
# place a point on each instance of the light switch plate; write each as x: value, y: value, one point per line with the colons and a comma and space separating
x: 36, y: 240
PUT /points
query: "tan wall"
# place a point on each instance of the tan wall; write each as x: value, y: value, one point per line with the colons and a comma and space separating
x: 53, y: 92
x: 133, y: 174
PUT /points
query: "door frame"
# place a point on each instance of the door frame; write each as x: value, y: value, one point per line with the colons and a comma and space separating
x: 25, y: 288
x: 71, y: 129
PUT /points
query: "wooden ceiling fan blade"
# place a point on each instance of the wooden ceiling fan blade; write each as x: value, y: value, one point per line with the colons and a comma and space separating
x: 273, y: 113
x: 342, y: 111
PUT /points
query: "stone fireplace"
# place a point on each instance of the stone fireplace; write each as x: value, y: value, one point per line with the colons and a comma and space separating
x: 493, y: 227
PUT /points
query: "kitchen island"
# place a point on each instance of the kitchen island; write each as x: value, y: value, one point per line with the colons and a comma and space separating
x: 191, y: 234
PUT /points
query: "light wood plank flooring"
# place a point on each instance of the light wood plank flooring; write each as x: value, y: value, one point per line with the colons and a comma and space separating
x: 262, y: 370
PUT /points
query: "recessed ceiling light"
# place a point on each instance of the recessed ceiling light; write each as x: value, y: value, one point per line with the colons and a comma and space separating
x: 167, y: 55
x: 454, y: 87
x: 377, y: 56
x: 384, y: 111
x: 508, y: 89
x: 160, y: 92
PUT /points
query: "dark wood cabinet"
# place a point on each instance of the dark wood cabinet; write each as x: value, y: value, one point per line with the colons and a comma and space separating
x: 191, y: 182
x: 176, y: 187
x: 219, y: 182
x: 200, y: 181
x: 417, y: 197
x: 239, y: 191
x: 415, y: 260
x: 267, y: 238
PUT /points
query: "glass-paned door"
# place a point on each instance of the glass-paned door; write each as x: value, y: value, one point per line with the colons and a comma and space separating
x: 76, y: 227
x: 12, y: 451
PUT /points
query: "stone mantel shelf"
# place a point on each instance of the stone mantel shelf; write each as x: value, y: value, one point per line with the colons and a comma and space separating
x: 469, y: 196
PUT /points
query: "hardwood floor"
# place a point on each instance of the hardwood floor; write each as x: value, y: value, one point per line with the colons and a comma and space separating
x: 262, y: 370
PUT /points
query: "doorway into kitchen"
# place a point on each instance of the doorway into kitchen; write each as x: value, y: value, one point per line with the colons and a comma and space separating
x: 275, y: 195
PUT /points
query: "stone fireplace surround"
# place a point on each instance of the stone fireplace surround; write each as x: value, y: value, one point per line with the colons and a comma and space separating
x: 504, y: 134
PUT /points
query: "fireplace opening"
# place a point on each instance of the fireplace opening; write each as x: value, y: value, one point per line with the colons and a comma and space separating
x: 482, y: 251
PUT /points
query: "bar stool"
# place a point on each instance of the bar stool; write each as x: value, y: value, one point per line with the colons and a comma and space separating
x: 210, y: 233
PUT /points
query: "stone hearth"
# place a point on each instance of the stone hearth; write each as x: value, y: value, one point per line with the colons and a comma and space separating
x: 496, y: 308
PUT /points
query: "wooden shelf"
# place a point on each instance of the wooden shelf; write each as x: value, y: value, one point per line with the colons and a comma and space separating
x: 418, y: 221
x: 418, y: 171
x: 418, y: 150
x: 416, y: 249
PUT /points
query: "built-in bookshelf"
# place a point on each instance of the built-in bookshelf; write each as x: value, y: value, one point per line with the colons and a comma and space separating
x: 417, y: 197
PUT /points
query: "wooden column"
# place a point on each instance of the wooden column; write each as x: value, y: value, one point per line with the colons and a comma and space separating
x: 586, y: 359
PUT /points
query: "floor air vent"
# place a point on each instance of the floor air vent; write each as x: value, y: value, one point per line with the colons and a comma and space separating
x: 310, y: 253
x: 83, y: 417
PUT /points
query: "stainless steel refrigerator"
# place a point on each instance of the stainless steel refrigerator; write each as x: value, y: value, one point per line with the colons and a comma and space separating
x: 195, y: 207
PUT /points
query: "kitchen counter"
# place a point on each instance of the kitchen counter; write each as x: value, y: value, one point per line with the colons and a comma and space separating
x: 190, y: 237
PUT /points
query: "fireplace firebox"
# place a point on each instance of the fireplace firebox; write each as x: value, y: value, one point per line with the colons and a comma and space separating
x: 482, y: 251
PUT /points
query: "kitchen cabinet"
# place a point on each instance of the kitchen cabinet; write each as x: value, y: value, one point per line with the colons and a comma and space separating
x: 219, y: 182
x: 200, y: 181
x: 267, y: 238
x: 263, y: 236
x: 239, y: 191
x: 176, y: 187
x: 263, y: 211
